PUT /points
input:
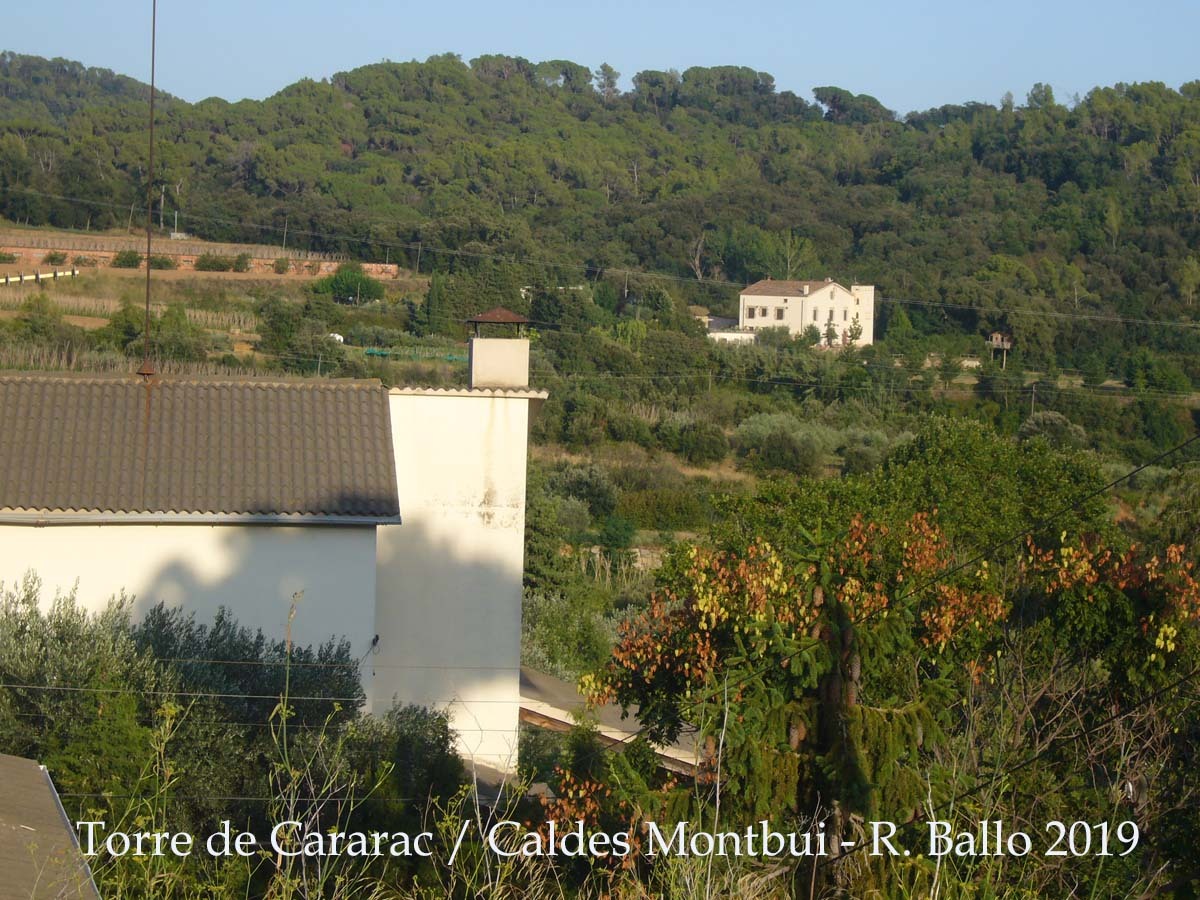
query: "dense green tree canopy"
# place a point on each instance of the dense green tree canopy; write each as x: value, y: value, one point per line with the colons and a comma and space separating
x: 1013, y: 214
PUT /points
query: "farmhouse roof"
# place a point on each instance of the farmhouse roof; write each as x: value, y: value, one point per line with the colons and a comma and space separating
x: 38, y: 853
x: 121, y: 448
x: 769, y: 287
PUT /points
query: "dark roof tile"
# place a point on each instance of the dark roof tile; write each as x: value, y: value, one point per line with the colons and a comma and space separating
x: 769, y: 287
x: 249, y: 447
x: 38, y: 853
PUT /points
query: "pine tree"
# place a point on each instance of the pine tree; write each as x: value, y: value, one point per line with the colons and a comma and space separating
x: 434, y: 303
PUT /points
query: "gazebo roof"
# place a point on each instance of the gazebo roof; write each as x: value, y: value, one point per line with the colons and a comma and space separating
x: 498, y: 316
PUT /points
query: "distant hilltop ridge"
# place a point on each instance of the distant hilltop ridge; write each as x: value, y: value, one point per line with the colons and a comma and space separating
x: 520, y: 173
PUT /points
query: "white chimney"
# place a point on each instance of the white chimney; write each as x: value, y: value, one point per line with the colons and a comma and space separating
x: 498, y: 363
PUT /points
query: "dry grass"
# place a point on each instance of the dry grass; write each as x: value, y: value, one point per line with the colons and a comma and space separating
x: 630, y: 454
x: 87, y: 323
x: 98, y: 299
x: 94, y: 307
x: 232, y: 321
x: 25, y: 358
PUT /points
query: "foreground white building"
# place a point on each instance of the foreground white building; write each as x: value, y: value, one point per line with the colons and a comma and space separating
x: 449, y: 577
x: 799, y: 305
x: 397, y: 516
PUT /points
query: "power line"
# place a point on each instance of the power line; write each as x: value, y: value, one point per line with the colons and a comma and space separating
x: 291, y: 726
x: 219, y: 695
x: 158, y: 693
x: 1159, y: 393
x: 635, y: 273
x: 1045, y: 313
x: 314, y: 665
x: 146, y: 367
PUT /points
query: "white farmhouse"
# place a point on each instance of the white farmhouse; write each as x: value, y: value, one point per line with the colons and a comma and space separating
x: 398, y: 514
x: 799, y: 305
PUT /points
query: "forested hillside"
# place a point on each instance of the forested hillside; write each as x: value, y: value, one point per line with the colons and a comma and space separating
x: 711, y: 175
x: 892, y: 583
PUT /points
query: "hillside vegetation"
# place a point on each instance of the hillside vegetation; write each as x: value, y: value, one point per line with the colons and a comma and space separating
x: 876, y: 583
x: 708, y: 175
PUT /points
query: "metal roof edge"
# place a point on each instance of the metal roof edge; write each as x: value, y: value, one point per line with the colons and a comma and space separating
x: 504, y: 393
x: 172, y: 380
x: 83, y: 867
x: 49, y: 519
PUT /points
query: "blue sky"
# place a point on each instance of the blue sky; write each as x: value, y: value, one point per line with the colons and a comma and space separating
x: 910, y: 55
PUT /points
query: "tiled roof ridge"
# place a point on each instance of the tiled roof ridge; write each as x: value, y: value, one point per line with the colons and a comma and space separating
x: 787, y: 283
x: 173, y: 512
x: 198, y: 380
x: 514, y: 392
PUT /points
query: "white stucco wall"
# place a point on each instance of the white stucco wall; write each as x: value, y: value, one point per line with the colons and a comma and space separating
x: 732, y: 337
x: 252, y: 569
x: 498, y: 362
x: 449, y: 578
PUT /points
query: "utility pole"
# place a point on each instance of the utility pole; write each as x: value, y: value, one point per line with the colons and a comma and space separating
x: 285, y: 220
x: 1032, y: 398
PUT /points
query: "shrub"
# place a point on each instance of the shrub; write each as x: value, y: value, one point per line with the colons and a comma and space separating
x: 1057, y: 429
x: 590, y: 484
x: 54, y: 258
x: 795, y: 453
x: 783, y: 441
x: 424, y: 757
x: 127, y: 259
x: 7, y: 258
x: 863, y: 451
x: 564, y: 636
x: 242, y: 263
x: 755, y: 429
x: 860, y: 458
x: 616, y: 533
x: 574, y: 517
x: 666, y: 508
x: 624, y: 427
x: 349, y: 284
x: 162, y: 262
x: 210, y: 262
x: 84, y: 262
x: 282, y: 266
x: 703, y: 442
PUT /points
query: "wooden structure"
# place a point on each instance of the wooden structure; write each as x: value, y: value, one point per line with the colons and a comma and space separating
x: 998, y: 340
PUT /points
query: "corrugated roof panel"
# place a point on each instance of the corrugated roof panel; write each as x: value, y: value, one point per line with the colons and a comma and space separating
x: 71, y: 443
